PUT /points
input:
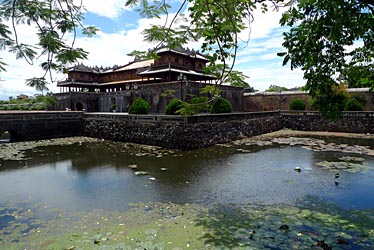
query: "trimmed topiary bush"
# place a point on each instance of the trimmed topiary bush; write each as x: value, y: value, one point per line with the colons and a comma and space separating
x: 297, y: 104
x: 173, y: 106
x: 139, y: 106
x: 353, y: 105
x: 221, y: 105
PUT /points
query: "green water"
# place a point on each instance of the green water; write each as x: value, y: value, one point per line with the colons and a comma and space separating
x: 106, y: 195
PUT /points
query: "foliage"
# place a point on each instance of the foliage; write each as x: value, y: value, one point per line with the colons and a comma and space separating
x: 48, y: 100
x: 216, y: 24
x: 236, y: 78
x: 358, y: 76
x: 143, y: 55
x: 233, y: 77
x: 139, y: 106
x: 360, y: 97
x: 221, y: 105
x: 168, y: 93
x: 353, y: 104
x: 297, y: 104
x: 173, y: 107
x: 327, y: 45
x: 330, y: 101
x: 40, y: 102
x: 276, y: 88
x: 196, y: 105
x: 210, y: 90
x: 40, y: 84
x: 54, y: 21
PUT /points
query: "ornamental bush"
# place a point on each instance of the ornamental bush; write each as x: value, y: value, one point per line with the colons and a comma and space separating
x: 297, y: 104
x: 353, y: 105
x: 221, y: 105
x: 173, y: 106
x: 139, y: 106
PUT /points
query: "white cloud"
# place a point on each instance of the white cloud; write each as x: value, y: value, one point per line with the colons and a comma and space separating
x: 263, y: 23
x: 17, y: 71
x: 107, y: 8
x: 262, y: 77
x: 109, y: 49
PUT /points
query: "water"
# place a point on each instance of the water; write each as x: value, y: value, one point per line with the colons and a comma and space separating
x: 89, y: 176
x: 83, y: 177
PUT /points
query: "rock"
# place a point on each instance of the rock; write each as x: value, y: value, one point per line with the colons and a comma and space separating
x: 133, y: 166
x: 140, y: 173
x: 341, y: 241
x: 284, y: 227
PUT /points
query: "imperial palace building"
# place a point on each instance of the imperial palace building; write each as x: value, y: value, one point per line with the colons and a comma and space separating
x: 175, y: 70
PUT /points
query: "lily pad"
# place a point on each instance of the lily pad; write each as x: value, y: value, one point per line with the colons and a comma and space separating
x: 344, y: 166
x: 352, y: 158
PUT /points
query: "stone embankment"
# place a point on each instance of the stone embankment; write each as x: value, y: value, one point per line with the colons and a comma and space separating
x: 350, y: 122
x: 174, y: 132
x: 180, y: 136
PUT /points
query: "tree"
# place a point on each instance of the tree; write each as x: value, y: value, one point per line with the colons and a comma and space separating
x: 54, y: 21
x: 297, y: 104
x: 216, y: 24
x: 38, y: 84
x: 329, y: 40
x: 233, y: 77
x: 139, y: 106
x: 318, y: 41
x: 358, y: 76
x: 221, y: 105
x: 173, y: 107
x: 276, y: 88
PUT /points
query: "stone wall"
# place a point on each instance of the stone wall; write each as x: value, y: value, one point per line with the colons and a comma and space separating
x: 180, y: 136
x: 351, y: 122
x: 269, y: 101
x: 38, y: 125
x: 175, y: 132
x: 207, y: 130
x: 72, y: 101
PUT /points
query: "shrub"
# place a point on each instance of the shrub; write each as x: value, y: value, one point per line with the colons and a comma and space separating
x: 221, y: 105
x: 297, y: 104
x: 353, y: 105
x: 139, y: 106
x: 360, y: 97
x: 173, y: 106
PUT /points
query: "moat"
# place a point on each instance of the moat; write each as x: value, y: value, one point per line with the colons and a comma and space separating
x: 95, y: 194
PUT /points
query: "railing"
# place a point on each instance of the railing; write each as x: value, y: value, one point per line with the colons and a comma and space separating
x: 51, y: 116
x: 136, y: 118
x: 200, y: 118
x: 358, y: 114
x: 55, y: 116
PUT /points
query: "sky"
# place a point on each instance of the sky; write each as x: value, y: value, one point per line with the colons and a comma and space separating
x: 121, y: 32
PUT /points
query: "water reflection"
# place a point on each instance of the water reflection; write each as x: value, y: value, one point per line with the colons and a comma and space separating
x: 97, y: 175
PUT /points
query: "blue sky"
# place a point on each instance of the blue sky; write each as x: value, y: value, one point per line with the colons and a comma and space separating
x: 120, y: 33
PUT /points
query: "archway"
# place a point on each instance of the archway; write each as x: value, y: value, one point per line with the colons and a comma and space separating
x: 5, y: 137
x: 10, y: 136
x: 79, y: 106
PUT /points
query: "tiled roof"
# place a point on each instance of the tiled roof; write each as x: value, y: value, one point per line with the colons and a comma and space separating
x: 135, y: 65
